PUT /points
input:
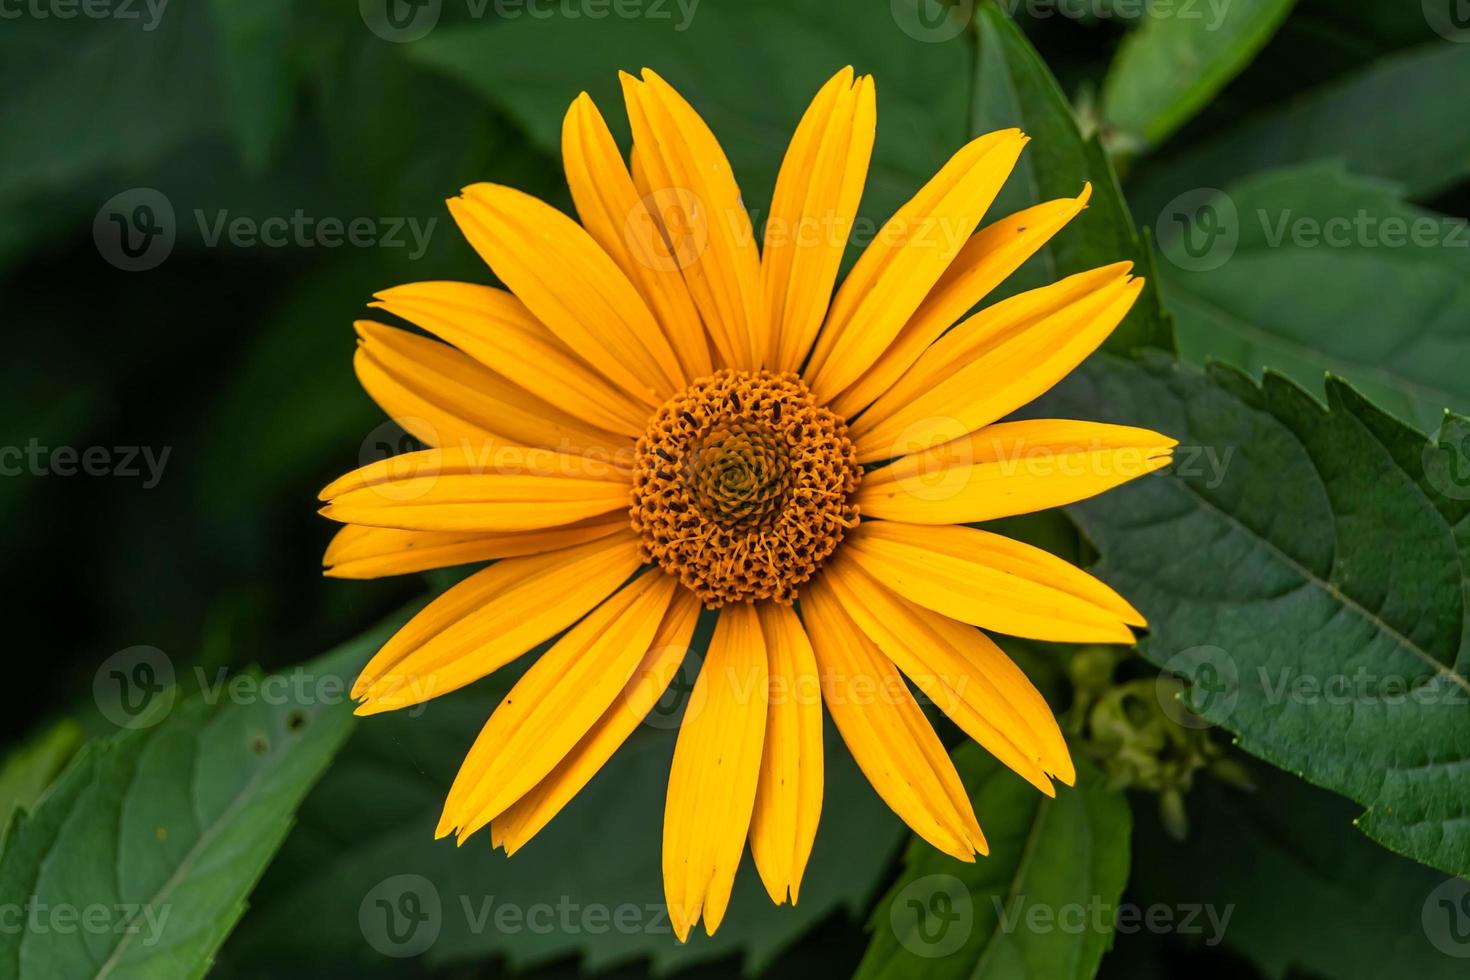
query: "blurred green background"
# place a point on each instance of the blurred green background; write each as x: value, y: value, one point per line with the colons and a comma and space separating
x: 232, y: 354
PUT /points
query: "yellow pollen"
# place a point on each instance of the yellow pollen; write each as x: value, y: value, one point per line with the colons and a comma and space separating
x: 742, y: 486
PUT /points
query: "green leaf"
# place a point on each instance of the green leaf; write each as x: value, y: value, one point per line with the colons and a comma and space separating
x: 1040, y: 906
x: 1013, y: 87
x: 750, y: 94
x: 368, y: 834
x: 1169, y: 68
x: 29, y: 769
x: 1392, y: 120
x: 254, y: 44
x: 138, y: 860
x: 1304, y: 569
x: 1281, y: 877
x: 1311, y: 269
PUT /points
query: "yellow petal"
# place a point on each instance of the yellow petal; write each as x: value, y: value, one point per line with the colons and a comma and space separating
x: 694, y: 191
x: 571, y: 285
x: 992, y: 582
x: 495, y: 488
x: 956, y: 667
x: 496, y: 329
x: 886, y: 731
x: 987, y: 259
x: 490, y: 618
x: 359, y: 552
x: 903, y: 263
x: 1011, y: 468
x: 670, y: 645
x: 995, y: 362
x: 555, y: 704
x: 788, y: 800
x: 712, y: 783
x: 812, y: 212
x: 621, y: 221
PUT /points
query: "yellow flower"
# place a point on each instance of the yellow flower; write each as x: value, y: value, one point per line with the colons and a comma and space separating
x: 659, y: 415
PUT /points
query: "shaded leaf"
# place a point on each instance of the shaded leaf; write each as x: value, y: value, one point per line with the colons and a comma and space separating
x: 1330, y: 272
x: 1169, y: 68
x: 1038, y: 907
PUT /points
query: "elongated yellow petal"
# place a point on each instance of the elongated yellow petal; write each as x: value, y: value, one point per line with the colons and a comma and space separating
x: 704, y: 218
x: 432, y: 391
x: 987, y: 259
x: 555, y: 704
x: 358, y: 552
x: 993, y: 582
x: 712, y: 783
x: 812, y: 211
x: 995, y: 362
x: 670, y: 645
x: 788, y: 800
x: 491, y: 618
x: 945, y: 660
x: 1012, y: 468
x: 903, y: 263
x: 618, y: 219
x: 496, y: 329
x: 570, y: 284
x: 886, y: 731
x: 496, y: 489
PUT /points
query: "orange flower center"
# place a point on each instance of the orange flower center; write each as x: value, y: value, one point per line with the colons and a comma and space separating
x: 742, y: 486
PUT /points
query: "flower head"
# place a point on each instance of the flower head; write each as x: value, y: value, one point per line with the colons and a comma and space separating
x: 659, y: 416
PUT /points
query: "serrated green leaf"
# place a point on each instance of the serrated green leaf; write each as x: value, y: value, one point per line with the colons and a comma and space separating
x: 1039, y: 907
x: 1280, y: 876
x: 1304, y: 569
x: 1330, y: 273
x: 1394, y: 120
x: 368, y: 835
x: 1167, y: 69
x: 1013, y: 87
x: 138, y: 860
